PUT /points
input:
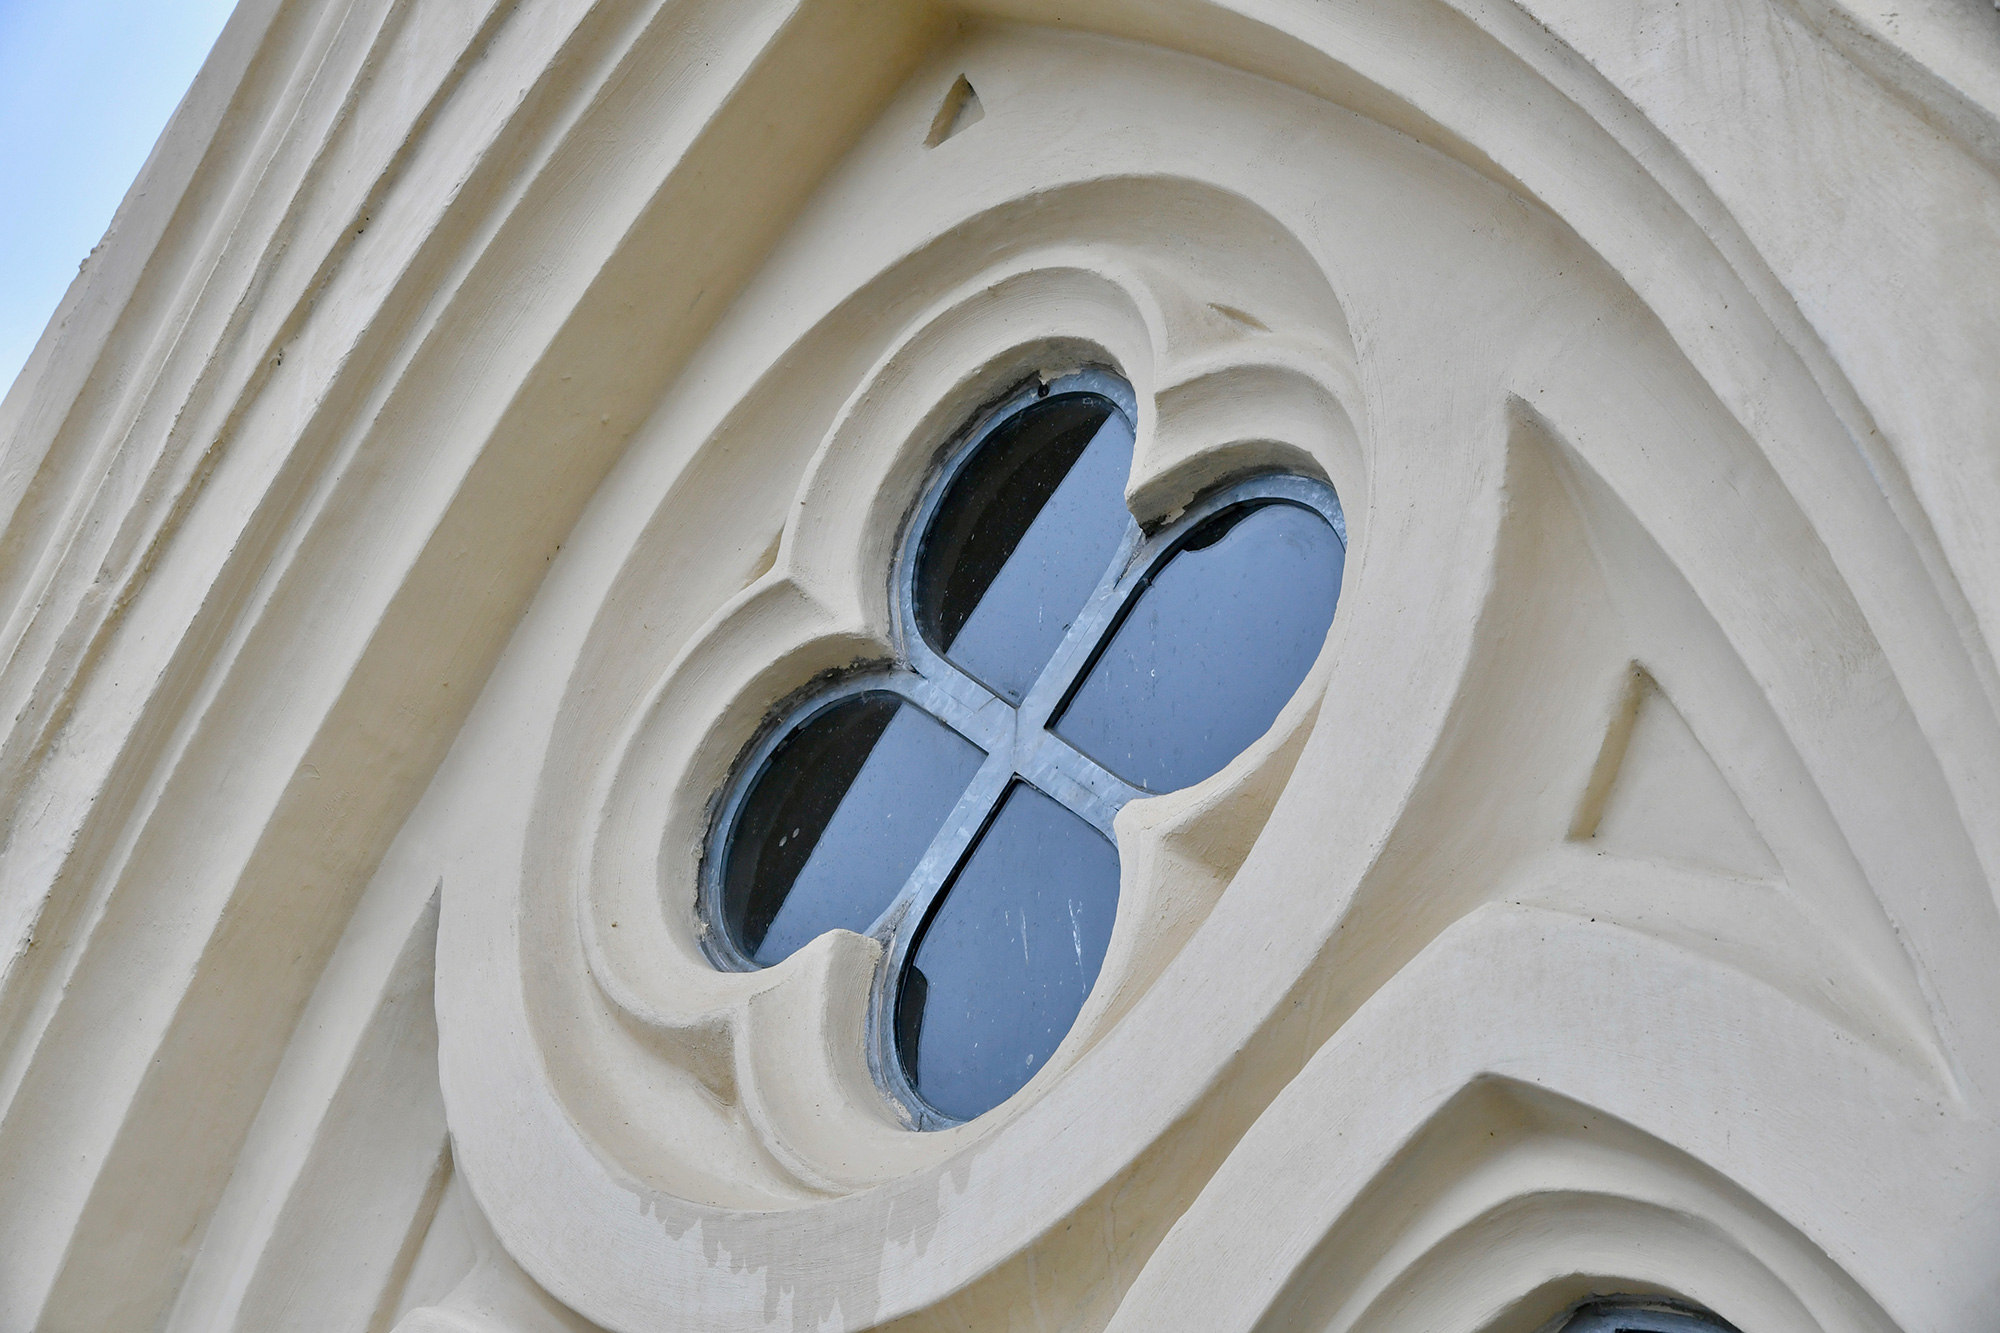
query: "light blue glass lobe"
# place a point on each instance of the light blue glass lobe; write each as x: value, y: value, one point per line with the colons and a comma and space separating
x: 1006, y: 961
x: 1212, y: 648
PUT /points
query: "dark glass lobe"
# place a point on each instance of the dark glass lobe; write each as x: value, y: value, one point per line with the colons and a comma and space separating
x: 1022, y: 537
x: 1212, y: 647
x: 836, y: 820
x: 1008, y: 957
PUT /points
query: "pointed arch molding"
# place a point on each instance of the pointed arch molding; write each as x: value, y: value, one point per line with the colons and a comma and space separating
x: 490, y: 411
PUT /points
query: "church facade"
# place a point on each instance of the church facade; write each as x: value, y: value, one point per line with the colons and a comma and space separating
x: 1315, y: 665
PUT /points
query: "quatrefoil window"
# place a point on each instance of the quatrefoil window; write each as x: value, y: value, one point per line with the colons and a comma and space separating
x: 1056, y: 661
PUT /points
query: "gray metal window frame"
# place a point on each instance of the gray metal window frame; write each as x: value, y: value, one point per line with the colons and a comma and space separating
x: 1017, y: 741
x: 1642, y: 1314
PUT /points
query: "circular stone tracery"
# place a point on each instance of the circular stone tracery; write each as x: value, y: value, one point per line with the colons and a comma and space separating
x: 1334, y: 891
x: 1057, y: 662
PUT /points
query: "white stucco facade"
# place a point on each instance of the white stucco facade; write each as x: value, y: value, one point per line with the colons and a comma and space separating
x: 480, y: 415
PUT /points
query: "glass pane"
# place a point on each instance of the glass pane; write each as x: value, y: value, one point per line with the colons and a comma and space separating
x: 1022, y: 538
x: 1212, y: 649
x: 1005, y: 963
x: 841, y: 814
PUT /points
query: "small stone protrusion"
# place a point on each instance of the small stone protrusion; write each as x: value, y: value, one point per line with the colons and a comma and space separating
x: 959, y: 110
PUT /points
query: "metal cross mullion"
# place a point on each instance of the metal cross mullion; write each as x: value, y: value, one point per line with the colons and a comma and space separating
x: 963, y: 704
x: 1034, y: 752
x: 1016, y: 748
x: 1072, y: 656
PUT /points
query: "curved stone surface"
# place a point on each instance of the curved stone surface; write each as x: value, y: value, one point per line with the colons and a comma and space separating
x: 482, y: 416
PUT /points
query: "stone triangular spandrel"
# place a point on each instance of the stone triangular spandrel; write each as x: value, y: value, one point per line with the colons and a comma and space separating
x: 1657, y: 795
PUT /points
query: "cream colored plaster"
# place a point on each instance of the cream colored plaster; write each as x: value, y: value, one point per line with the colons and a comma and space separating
x: 480, y: 417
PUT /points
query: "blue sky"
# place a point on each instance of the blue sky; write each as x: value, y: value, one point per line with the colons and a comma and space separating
x: 86, y: 86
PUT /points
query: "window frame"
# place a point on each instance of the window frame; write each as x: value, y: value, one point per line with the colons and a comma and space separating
x: 1626, y: 1314
x: 1018, y: 741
